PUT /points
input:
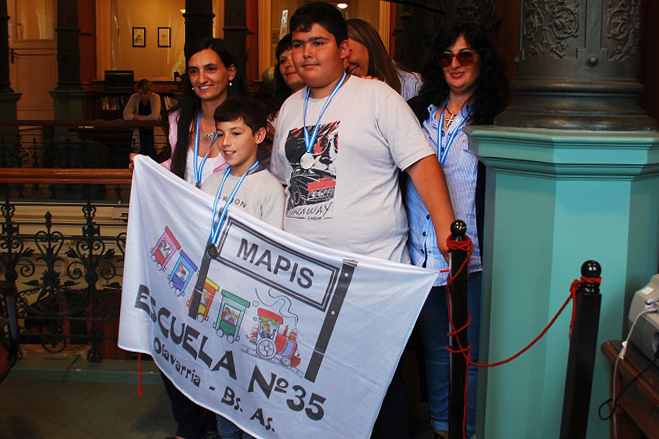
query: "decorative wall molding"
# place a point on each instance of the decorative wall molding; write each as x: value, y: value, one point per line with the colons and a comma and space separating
x: 623, y: 26
x: 546, y: 26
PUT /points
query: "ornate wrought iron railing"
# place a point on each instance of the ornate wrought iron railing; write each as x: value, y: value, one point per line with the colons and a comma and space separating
x: 66, y: 258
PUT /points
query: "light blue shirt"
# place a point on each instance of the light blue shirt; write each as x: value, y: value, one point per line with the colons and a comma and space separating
x: 410, y: 83
x: 460, y: 170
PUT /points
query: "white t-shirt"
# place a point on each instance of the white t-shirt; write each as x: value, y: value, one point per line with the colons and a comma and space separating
x: 350, y: 198
x: 260, y: 195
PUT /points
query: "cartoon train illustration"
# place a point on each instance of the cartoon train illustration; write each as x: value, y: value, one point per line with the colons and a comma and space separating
x: 181, y: 274
x: 164, y: 249
x: 230, y: 317
x: 273, y: 345
x: 200, y: 301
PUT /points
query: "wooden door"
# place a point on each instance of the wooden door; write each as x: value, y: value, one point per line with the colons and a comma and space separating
x: 33, y: 56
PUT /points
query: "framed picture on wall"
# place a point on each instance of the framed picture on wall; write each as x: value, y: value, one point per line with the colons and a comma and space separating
x: 139, y: 37
x: 164, y: 37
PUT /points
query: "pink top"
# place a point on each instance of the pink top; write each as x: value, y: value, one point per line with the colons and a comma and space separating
x: 221, y: 164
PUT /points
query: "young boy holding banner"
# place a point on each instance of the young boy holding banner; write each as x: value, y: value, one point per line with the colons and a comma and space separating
x: 339, y: 145
x: 240, y: 128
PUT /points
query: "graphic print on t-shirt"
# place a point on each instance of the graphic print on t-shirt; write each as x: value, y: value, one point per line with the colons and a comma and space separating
x: 311, y: 191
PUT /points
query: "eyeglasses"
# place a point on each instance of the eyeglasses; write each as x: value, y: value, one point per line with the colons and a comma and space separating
x: 465, y: 58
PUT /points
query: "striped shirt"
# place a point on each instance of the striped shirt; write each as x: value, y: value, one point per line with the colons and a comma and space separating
x: 410, y: 83
x: 460, y: 170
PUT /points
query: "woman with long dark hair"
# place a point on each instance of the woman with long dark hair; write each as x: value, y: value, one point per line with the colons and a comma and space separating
x: 464, y: 83
x: 212, y: 76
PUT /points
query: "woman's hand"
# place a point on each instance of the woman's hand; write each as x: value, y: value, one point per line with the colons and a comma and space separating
x: 371, y: 77
x: 131, y: 156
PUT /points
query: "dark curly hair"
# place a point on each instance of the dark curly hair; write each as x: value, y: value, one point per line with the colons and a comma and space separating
x: 190, y: 104
x: 491, y: 88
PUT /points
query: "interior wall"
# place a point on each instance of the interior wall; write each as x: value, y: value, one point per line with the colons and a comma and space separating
x: 368, y: 10
x: 150, y: 61
x: 33, y: 20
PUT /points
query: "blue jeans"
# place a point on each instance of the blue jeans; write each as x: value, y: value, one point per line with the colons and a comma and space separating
x: 229, y: 430
x: 433, y: 325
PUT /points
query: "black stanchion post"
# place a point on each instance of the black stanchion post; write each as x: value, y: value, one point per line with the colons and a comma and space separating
x: 581, y: 358
x: 459, y: 316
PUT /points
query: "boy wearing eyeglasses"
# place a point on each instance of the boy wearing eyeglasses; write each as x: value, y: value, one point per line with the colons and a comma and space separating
x: 339, y: 145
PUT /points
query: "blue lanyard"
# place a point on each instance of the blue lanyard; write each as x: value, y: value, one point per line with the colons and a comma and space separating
x: 309, y: 142
x: 443, y: 149
x: 199, y: 170
x: 217, y: 225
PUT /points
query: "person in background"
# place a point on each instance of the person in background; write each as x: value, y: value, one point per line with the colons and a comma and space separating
x: 369, y: 58
x: 464, y: 83
x: 287, y: 81
x: 212, y: 76
x: 143, y: 105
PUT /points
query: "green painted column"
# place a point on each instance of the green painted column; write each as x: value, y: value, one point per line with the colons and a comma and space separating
x: 554, y: 199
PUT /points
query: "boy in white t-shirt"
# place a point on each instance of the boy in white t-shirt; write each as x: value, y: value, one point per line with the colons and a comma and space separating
x: 339, y: 146
x: 240, y: 128
x: 343, y: 190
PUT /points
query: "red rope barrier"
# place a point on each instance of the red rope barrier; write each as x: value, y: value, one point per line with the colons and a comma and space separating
x: 139, y: 374
x: 468, y: 247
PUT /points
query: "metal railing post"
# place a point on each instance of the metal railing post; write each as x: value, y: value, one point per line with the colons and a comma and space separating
x: 581, y: 357
x: 460, y: 317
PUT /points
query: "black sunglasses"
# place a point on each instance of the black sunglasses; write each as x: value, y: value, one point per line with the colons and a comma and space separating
x: 465, y: 58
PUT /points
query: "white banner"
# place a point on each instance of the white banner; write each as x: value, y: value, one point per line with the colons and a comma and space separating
x: 286, y: 338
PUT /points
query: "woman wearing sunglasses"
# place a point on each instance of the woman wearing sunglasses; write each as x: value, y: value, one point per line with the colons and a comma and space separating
x: 464, y: 83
